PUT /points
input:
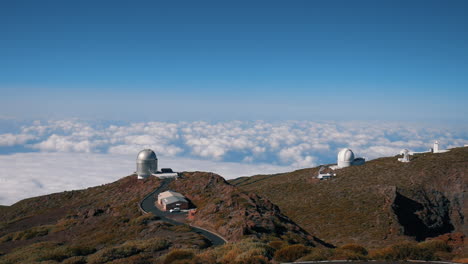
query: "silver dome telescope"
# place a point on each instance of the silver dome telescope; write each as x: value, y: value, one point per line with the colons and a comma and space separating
x: 147, y: 163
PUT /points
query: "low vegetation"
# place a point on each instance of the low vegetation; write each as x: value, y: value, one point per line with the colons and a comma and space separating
x: 291, y: 253
x: 234, y: 213
x: 97, y: 225
x: 380, y: 203
x: 103, y: 224
x: 27, y: 234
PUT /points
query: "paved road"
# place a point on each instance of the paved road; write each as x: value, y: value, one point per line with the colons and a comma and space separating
x: 369, y: 262
x: 148, y: 205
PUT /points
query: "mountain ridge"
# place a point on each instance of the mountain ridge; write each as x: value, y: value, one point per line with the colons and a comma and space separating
x: 381, y: 202
x: 265, y: 217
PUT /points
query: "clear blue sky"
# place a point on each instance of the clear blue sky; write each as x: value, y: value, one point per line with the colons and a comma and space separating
x: 185, y: 60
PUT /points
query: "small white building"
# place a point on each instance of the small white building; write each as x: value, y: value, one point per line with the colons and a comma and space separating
x: 324, y: 176
x: 170, y: 200
x: 166, y: 173
x: 406, y: 156
x: 437, y: 149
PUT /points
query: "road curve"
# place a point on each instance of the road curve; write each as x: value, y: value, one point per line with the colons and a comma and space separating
x: 147, y: 205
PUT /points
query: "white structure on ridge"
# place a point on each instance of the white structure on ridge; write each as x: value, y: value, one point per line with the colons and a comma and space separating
x: 405, y: 154
x: 147, y: 163
x: 436, y: 148
x: 346, y: 158
x: 324, y: 176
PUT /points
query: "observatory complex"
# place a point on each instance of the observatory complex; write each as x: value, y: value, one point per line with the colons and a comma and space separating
x: 434, y: 149
x: 147, y: 165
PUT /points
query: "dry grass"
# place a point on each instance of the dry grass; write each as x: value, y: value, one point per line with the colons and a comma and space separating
x: 104, y: 218
x: 356, y: 205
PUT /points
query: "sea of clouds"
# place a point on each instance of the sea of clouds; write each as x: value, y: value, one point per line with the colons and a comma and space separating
x: 42, y: 157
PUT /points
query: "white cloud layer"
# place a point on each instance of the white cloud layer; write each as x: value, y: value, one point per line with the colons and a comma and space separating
x: 67, y: 148
x: 31, y: 174
x: 302, y: 143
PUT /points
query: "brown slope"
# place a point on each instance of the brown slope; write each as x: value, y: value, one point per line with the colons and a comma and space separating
x: 71, y: 224
x: 104, y: 222
x: 375, y: 204
x: 236, y: 214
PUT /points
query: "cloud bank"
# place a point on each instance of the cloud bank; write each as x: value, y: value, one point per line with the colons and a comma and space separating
x: 24, y: 175
x: 59, y: 155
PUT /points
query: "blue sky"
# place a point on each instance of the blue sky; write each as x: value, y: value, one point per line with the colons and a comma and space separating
x: 247, y: 60
x: 236, y: 87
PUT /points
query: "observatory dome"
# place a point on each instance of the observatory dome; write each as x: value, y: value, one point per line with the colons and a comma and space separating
x: 147, y: 163
x: 147, y: 154
x: 345, y: 158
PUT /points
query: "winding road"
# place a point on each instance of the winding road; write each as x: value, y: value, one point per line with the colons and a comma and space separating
x: 147, y: 205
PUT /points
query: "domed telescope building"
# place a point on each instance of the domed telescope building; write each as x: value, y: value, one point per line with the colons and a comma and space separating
x: 147, y: 163
x: 346, y: 158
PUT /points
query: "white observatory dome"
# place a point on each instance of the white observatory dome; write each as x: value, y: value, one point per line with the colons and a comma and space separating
x: 345, y: 158
x: 147, y: 163
x: 147, y: 154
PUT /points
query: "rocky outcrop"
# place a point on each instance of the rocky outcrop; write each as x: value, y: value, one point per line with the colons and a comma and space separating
x: 236, y: 214
x: 424, y: 214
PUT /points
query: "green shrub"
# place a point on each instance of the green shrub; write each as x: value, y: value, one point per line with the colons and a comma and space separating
x: 177, y: 255
x: 291, y: 253
x: 247, y: 250
x: 56, y: 254
x: 253, y: 260
x: 253, y: 255
x: 277, y: 244
x: 181, y: 228
x: 344, y: 254
x: 59, y: 253
x: 318, y: 254
x: 205, y: 257
x: 408, y: 250
x: 27, y: 234
x: 144, y: 219
x: 382, y: 254
x: 109, y: 254
x: 128, y: 249
x: 154, y: 245
x: 355, y: 248
x: 80, y: 250
x: 439, y: 255
x: 404, y: 251
x: 435, y: 246
x: 75, y: 260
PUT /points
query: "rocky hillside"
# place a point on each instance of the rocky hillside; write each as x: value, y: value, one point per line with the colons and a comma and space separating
x: 97, y: 225
x: 104, y: 225
x: 236, y: 214
x: 379, y: 203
